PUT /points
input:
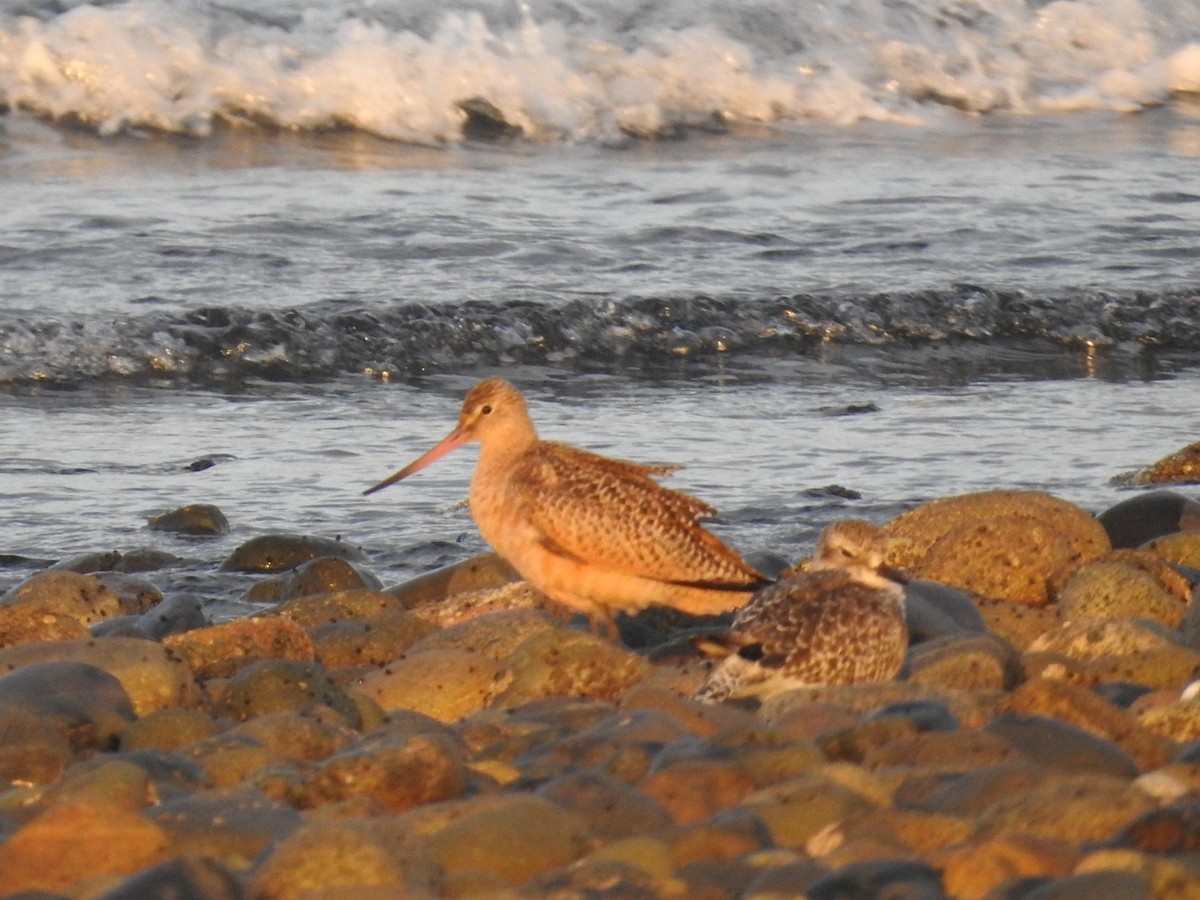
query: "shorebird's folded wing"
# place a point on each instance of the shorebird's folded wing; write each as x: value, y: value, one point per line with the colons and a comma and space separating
x: 612, y: 514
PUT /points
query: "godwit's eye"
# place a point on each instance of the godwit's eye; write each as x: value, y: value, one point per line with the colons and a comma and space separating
x: 486, y: 409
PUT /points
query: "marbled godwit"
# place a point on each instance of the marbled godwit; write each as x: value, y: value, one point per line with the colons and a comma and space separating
x: 594, y: 534
x: 841, y: 622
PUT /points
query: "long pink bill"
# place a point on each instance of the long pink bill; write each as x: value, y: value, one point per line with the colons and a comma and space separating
x: 452, y: 441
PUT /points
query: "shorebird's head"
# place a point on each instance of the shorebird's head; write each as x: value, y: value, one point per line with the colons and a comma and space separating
x: 857, y: 547
x: 493, y: 412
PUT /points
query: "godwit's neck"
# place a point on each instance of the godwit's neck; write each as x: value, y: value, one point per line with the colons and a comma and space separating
x: 505, y: 440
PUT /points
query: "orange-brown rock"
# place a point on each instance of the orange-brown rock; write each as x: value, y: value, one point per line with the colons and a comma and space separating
x: 220, y: 650
x: 73, y: 842
x: 912, y: 534
x: 1181, y: 467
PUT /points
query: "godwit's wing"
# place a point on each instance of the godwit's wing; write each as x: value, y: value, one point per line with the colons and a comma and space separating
x: 611, y: 514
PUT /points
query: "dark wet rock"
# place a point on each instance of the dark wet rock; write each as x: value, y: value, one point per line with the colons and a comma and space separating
x: 1059, y: 745
x: 151, y: 676
x: 181, y: 613
x: 1114, y: 885
x: 398, y: 773
x: 895, y: 879
x: 146, y: 560
x: 323, y: 575
x: 1120, y: 693
x: 1083, y: 708
x: 88, y: 563
x: 76, y: 840
x: 965, y: 662
x: 200, y: 519
x: 175, y: 615
x: 1146, y: 516
x: 284, y: 685
x: 1181, y: 467
x: 478, y: 573
x: 220, y: 650
x: 280, y: 552
x: 82, y: 597
x: 925, y: 715
x: 936, y: 610
x: 136, y: 595
x: 483, y: 121
x: 790, y: 879
x: 1171, y: 829
x: 1110, y: 590
x: 84, y: 703
x: 568, y: 663
x: 970, y: 709
x: 182, y: 878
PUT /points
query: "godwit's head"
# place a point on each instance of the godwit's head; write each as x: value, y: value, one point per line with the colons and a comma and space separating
x: 857, y: 547
x: 493, y: 413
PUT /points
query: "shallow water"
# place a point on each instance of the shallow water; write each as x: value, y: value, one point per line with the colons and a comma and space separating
x: 1013, y: 289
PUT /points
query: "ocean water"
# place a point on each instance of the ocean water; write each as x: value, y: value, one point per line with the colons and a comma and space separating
x: 835, y: 259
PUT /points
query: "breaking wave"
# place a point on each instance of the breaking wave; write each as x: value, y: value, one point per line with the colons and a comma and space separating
x: 549, y: 70
x: 330, y: 340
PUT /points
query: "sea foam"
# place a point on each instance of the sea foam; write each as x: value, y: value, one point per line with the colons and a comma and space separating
x: 558, y: 71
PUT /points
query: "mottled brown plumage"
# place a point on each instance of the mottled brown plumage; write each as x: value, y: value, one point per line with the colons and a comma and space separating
x: 840, y: 622
x: 595, y: 534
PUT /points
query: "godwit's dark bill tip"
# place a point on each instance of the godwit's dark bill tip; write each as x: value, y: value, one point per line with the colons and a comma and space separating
x: 391, y: 479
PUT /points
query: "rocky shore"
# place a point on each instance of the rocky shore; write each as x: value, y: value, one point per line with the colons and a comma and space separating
x: 456, y: 736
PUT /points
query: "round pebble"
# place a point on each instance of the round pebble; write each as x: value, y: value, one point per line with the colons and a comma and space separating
x: 198, y: 519
x: 1009, y: 557
x: 279, y: 552
x: 323, y: 575
x: 1148, y: 515
x: 1110, y: 590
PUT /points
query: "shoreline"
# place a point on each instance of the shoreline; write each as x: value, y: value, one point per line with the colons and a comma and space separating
x: 453, y: 736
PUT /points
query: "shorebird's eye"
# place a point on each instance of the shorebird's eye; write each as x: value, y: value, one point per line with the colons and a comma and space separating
x: 486, y: 409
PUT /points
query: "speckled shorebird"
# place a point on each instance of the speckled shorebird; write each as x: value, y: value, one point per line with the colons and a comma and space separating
x: 595, y: 534
x: 840, y: 622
